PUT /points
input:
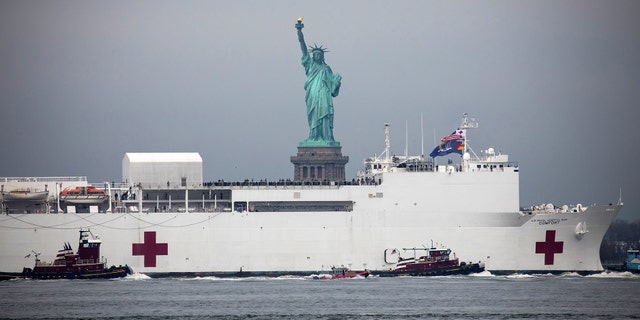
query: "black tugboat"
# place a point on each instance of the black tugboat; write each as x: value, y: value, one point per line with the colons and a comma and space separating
x: 85, y: 264
x: 436, y: 262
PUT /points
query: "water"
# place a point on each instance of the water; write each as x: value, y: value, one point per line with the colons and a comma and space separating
x: 481, y: 296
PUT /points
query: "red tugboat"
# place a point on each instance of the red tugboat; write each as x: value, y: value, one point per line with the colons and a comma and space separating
x: 436, y: 262
x: 344, y: 273
x: 85, y: 264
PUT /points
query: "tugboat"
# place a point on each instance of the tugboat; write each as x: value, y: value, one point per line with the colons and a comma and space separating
x: 633, y: 261
x: 436, y: 262
x: 631, y: 264
x: 85, y: 264
x: 344, y: 273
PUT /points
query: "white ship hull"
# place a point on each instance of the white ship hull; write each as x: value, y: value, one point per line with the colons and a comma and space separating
x: 472, y: 208
x: 479, y: 220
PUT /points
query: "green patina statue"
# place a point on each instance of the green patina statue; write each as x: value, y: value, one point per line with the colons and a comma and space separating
x: 321, y: 86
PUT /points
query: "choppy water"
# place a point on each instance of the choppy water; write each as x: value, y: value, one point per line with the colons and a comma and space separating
x: 481, y: 296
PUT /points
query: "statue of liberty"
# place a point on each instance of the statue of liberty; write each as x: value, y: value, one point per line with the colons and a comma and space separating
x: 321, y: 86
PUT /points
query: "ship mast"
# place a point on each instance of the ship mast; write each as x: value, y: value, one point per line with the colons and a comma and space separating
x: 466, y: 124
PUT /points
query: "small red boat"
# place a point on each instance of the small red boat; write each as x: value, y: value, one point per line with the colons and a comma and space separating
x: 344, y: 273
x: 85, y: 264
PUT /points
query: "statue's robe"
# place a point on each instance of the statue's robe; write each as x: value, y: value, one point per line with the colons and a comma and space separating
x: 320, y: 87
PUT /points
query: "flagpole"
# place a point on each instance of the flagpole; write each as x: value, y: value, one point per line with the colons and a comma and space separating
x: 434, y: 143
x: 421, y: 136
x: 406, y: 139
x: 464, y: 137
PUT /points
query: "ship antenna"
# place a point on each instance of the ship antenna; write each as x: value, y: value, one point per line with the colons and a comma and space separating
x: 422, y: 135
x: 620, y: 198
x: 406, y: 140
x: 387, y: 145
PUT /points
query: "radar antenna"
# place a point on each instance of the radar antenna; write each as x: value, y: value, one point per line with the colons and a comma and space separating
x: 468, y: 123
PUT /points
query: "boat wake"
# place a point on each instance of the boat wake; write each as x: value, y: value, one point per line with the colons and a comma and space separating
x: 516, y: 276
x: 614, y: 274
x: 137, y: 276
x: 257, y: 278
x: 483, y: 274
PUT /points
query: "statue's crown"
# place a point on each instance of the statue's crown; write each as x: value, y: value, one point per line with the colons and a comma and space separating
x: 317, y: 48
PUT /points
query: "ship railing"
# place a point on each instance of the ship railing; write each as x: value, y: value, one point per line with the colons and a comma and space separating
x: 253, y: 184
x: 87, y: 261
x: 280, y: 183
x: 41, y: 263
x: 493, y: 165
x: 290, y: 186
x: 44, y: 179
x: 112, y: 185
x: 553, y: 209
x: 83, y: 196
x: 477, y: 166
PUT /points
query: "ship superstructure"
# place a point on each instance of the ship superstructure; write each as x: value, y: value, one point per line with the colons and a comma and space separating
x: 279, y: 227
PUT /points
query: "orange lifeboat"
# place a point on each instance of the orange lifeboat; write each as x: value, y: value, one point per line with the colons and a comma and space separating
x: 83, y: 195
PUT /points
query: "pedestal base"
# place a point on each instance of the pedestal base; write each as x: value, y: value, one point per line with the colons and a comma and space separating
x: 319, y: 164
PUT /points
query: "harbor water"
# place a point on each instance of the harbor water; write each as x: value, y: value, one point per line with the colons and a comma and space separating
x: 478, y: 296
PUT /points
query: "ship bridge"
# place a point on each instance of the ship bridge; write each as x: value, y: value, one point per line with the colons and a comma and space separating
x: 488, y: 161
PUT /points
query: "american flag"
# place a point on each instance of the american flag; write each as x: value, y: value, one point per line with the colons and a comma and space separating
x: 456, y: 135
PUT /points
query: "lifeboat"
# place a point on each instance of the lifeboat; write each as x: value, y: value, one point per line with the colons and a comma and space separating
x: 83, y: 195
x: 25, y: 195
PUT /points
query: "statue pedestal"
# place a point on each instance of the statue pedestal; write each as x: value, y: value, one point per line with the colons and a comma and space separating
x: 319, y: 164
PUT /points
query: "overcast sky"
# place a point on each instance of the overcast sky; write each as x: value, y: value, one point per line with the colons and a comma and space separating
x: 555, y: 84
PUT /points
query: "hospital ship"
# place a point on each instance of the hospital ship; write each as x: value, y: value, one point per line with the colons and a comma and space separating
x: 187, y: 226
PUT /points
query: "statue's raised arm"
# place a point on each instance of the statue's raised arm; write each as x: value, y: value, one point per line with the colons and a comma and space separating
x: 303, y: 45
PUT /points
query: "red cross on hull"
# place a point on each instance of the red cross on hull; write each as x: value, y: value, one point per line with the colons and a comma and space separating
x: 549, y: 247
x: 150, y: 249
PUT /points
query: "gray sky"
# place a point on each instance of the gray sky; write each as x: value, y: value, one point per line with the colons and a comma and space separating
x: 555, y: 84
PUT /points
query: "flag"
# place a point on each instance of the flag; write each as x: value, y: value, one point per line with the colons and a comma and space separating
x: 456, y: 135
x: 451, y: 143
